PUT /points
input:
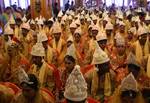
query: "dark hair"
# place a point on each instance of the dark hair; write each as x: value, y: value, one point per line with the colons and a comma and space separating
x: 134, y: 66
x: 69, y: 101
x: 71, y: 58
x: 130, y: 93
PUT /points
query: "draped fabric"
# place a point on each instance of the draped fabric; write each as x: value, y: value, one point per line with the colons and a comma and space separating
x: 19, y: 3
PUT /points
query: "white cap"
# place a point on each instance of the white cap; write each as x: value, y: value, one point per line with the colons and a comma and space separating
x: 64, y: 18
x: 120, y: 41
x: 24, y: 19
x: 76, y: 86
x: 131, y: 59
x: 95, y: 27
x: 8, y: 30
x: 129, y: 83
x: 32, y: 21
x: 106, y: 19
x: 70, y: 17
x: 121, y: 23
x: 81, y: 17
x: 12, y: 20
x: 78, y: 31
x: 77, y: 22
x: 71, y: 51
x: 25, y: 26
x: 109, y: 26
x: 99, y: 56
x: 147, y: 17
x: 94, y: 17
x: 135, y: 19
x: 40, y: 21
x: 73, y: 25
x: 70, y: 38
x: 56, y: 28
x: 51, y: 19
x: 60, y: 14
x: 38, y: 50
x: 132, y: 30
x: 101, y: 36
x: 141, y: 30
x: 42, y: 37
x: 128, y: 13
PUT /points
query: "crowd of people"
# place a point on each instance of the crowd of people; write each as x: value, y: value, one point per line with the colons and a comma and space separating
x: 80, y: 56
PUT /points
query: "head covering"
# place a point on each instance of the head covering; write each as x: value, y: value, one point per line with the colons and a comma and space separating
x: 141, y: 31
x: 56, y: 28
x: 95, y: 27
x: 70, y: 38
x: 109, y: 26
x: 71, y: 51
x: 70, y: 17
x: 12, y: 20
x: 81, y: 17
x: 147, y: 17
x: 73, y: 25
x: 101, y: 36
x: 26, y: 26
x: 78, y: 31
x: 42, y: 37
x: 132, y: 30
x: 40, y: 21
x: 99, y: 56
x: 60, y: 14
x: 94, y: 17
x: 128, y: 13
x: 120, y: 40
x: 38, y: 50
x: 32, y: 21
x: 135, y: 19
x: 121, y: 23
x: 131, y: 59
x: 76, y: 86
x: 129, y: 83
x: 77, y: 22
x: 8, y: 30
x: 24, y: 19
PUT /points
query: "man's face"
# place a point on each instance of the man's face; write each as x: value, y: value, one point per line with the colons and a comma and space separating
x: 12, y: 26
x: 108, y: 32
x: 72, y: 30
x: 69, y: 64
x: 120, y: 49
x: 94, y: 33
x: 45, y: 44
x: 33, y: 26
x: 57, y: 36
x: 102, y: 43
x: 36, y: 60
x: 95, y: 21
x: 122, y: 28
x: 82, y: 21
x: 24, y: 32
x: 77, y: 37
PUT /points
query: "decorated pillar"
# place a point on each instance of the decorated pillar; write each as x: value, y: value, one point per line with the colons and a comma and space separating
x: 41, y: 7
